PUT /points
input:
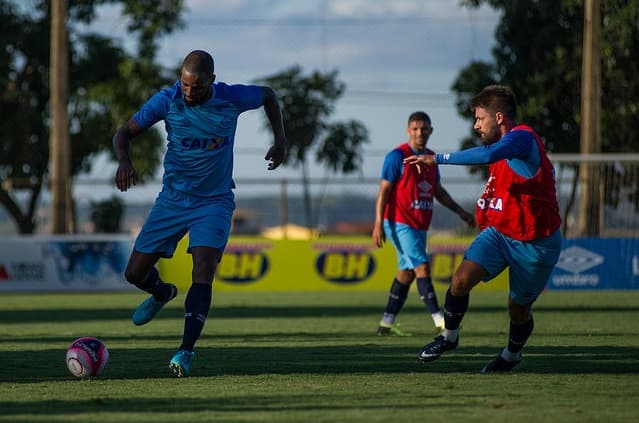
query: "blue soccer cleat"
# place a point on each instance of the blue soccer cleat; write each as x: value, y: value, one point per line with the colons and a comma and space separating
x: 180, y: 364
x: 147, y: 310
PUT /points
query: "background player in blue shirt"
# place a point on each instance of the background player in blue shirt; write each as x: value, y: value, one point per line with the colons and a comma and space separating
x: 200, y: 118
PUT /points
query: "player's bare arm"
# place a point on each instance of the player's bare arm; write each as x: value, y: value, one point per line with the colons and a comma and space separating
x: 378, y: 236
x: 446, y: 200
x: 126, y: 175
x: 277, y: 152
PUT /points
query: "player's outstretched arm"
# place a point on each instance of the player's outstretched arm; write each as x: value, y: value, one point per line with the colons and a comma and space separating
x: 277, y: 153
x: 126, y: 175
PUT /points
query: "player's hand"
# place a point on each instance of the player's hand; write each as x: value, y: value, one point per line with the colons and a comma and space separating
x: 126, y: 175
x: 420, y: 160
x: 275, y: 155
x: 378, y: 236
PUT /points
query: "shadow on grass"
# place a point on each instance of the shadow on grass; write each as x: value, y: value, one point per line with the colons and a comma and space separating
x: 370, y: 358
x: 174, y: 310
x: 328, y: 401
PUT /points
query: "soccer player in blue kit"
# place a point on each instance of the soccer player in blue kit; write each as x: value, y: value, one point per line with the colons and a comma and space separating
x: 200, y: 118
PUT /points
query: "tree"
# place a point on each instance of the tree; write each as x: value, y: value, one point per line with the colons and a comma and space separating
x: 106, y: 215
x: 307, y: 103
x: 106, y: 84
x: 538, y: 52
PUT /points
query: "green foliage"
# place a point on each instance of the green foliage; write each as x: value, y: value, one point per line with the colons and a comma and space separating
x: 107, y: 84
x: 538, y: 53
x: 341, y: 149
x: 468, y: 83
x: 152, y: 19
x: 307, y: 103
x: 106, y: 215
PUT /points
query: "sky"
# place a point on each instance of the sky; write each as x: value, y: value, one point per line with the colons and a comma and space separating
x: 395, y: 57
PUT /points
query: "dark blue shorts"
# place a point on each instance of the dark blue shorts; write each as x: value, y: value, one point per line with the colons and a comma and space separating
x: 207, y: 221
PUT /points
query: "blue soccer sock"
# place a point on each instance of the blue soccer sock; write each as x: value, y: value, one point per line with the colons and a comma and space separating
x: 196, y: 308
x: 519, y: 334
x: 396, y: 298
x: 427, y: 294
x: 454, y: 309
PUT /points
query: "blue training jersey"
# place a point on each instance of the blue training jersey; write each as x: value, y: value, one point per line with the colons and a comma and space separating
x: 518, y: 147
x: 199, y: 156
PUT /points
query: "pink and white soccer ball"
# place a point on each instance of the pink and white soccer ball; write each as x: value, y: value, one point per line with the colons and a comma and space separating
x: 87, y: 357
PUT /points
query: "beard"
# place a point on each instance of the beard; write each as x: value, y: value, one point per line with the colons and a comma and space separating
x: 490, y: 137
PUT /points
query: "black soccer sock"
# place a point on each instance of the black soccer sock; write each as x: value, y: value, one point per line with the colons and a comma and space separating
x: 454, y: 309
x: 155, y: 286
x: 396, y: 297
x: 519, y: 334
x: 196, y: 308
x: 427, y: 294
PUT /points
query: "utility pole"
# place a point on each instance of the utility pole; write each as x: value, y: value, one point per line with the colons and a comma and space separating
x: 59, y: 144
x: 591, y: 214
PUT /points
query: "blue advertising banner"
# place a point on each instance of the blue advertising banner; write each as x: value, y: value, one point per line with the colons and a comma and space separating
x: 65, y: 262
x: 597, y: 263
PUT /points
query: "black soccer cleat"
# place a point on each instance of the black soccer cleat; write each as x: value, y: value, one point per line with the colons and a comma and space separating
x: 384, y: 331
x: 432, y: 351
x: 499, y: 365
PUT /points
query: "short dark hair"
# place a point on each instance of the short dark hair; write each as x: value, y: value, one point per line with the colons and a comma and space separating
x: 496, y: 98
x: 199, y: 61
x: 419, y: 116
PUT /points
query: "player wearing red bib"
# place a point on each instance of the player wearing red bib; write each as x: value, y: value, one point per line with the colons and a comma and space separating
x: 403, y: 211
x: 519, y: 217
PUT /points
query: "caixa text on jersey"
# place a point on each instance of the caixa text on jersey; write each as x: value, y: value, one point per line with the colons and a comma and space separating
x: 494, y: 203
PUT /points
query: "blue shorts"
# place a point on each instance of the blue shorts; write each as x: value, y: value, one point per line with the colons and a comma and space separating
x: 410, y: 244
x: 530, y: 263
x: 208, y: 222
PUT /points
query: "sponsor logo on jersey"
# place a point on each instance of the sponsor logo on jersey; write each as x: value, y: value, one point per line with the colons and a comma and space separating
x: 493, y: 203
x: 425, y: 189
x: 422, y: 204
x: 203, y: 143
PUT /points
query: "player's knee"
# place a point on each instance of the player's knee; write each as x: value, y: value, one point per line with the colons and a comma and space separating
x: 204, y: 272
x: 466, y: 277
x: 461, y: 284
x: 518, y: 313
x: 134, y: 276
x: 405, y: 276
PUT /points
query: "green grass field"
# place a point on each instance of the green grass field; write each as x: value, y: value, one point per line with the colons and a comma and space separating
x: 314, y: 357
